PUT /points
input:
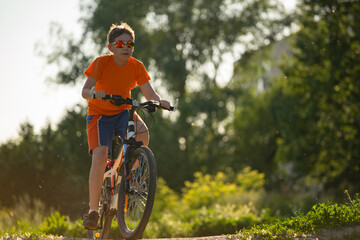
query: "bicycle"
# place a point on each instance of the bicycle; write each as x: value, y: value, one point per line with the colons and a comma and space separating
x: 129, y: 184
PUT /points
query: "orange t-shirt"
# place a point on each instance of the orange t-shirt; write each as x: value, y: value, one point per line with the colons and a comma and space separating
x: 116, y: 80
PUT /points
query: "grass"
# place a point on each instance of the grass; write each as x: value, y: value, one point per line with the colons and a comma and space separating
x: 321, y: 217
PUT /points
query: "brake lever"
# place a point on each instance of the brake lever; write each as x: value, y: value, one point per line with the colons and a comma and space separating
x: 173, y: 108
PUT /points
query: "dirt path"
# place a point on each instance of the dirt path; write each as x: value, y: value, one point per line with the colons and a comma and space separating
x: 349, y: 232
x: 224, y: 237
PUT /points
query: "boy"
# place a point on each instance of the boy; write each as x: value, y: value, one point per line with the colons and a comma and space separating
x: 115, y: 73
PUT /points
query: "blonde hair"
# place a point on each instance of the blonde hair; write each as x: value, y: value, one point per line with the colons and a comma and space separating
x: 118, y: 29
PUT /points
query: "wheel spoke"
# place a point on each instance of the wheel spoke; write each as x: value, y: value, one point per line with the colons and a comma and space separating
x: 139, y: 192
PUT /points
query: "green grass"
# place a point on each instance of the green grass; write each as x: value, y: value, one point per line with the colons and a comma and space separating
x: 321, y: 217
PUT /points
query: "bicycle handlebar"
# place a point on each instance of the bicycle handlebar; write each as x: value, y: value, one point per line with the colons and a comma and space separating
x: 149, y: 105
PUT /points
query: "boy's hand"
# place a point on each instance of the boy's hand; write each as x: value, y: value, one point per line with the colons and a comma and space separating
x: 97, y: 94
x: 165, y: 103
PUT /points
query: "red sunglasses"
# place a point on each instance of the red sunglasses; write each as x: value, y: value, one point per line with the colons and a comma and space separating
x: 129, y: 44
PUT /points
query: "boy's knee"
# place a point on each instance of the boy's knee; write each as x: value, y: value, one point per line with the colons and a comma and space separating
x: 142, y: 132
x: 99, y: 154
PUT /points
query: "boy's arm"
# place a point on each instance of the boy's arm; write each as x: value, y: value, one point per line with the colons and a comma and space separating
x: 86, y: 91
x: 150, y: 94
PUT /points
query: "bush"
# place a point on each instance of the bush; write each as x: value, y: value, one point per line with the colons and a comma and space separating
x: 165, y: 218
x: 321, y: 216
x: 25, y: 216
x: 226, y: 219
x: 56, y: 224
x: 207, y: 190
x: 27, y: 220
x: 218, y: 204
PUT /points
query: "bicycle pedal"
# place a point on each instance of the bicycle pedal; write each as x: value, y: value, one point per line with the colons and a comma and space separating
x: 90, y: 229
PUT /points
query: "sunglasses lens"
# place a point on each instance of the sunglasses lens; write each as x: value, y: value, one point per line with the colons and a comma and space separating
x: 130, y: 44
x: 119, y: 45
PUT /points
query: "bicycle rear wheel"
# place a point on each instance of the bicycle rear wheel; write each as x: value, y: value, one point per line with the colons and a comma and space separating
x: 135, y: 206
x: 106, y: 214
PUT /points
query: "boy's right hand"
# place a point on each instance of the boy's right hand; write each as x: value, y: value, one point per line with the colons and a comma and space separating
x: 97, y: 94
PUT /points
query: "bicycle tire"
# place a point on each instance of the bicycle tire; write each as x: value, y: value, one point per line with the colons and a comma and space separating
x: 106, y: 214
x: 142, y: 178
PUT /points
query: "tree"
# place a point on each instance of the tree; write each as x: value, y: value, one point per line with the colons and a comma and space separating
x: 51, y: 166
x: 325, y: 82
x: 183, y: 44
x: 309, y: 115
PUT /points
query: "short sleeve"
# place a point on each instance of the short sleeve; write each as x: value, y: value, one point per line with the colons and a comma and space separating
x: 143, y: 76
x: 94, y: 70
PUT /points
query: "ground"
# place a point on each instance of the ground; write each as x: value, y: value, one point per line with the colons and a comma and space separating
x: 348, y: 232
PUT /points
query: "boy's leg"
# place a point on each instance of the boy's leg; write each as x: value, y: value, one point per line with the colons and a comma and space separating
x: 95, y: 184
x: 141, y: 130
x: 96, y: 175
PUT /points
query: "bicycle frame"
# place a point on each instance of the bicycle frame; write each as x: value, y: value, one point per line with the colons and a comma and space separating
x: 114, y: 172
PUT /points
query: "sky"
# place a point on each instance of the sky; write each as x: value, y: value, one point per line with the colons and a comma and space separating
x: 25, y: 95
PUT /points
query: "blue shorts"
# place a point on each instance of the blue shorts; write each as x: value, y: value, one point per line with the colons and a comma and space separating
x: 101, y: 129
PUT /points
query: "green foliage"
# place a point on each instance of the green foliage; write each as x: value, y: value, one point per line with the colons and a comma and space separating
x: 25, y: 235
x: 222, y: 25
x: 222, y: 188
x: 302, y: 129
x: 60, y: 225
x: 25, y: 214
x: 207, y: 190
x: 55, y: 224
x: 31, y: 219
x: 53, y: 164
x: 211, y: 204
x: 226, y: 219
x: 322, y: 141
x: 250, y: 179
x: 322, y: 216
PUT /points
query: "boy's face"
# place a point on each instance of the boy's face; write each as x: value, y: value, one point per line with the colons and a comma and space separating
x: 125, y: 52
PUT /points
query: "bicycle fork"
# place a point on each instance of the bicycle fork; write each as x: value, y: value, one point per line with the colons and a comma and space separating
x: 129, y: 144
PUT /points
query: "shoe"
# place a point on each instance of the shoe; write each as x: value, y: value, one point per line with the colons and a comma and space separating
x: 91, y: 220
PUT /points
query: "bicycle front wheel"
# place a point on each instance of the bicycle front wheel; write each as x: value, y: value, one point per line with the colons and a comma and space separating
x: 135, y: 205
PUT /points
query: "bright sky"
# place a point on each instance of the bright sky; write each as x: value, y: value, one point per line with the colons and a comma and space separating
x: 24, y: 94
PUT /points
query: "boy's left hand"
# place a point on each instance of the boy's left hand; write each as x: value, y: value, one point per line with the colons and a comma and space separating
x: 165, y: 103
